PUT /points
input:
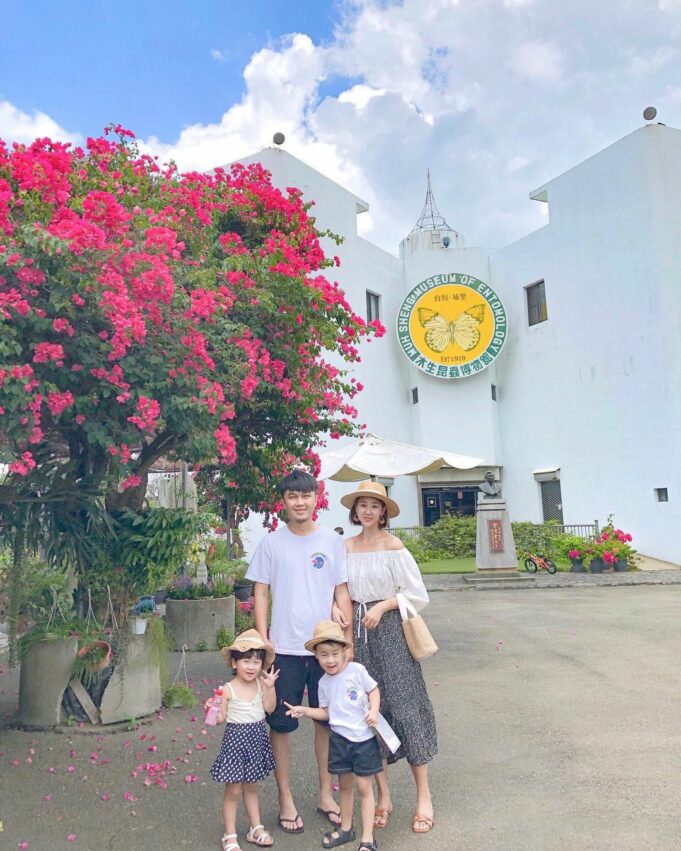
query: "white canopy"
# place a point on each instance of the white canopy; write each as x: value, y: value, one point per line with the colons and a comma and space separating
x: 372, y: 455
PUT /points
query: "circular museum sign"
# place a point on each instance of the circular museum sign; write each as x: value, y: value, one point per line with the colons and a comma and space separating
x: 452, y: 325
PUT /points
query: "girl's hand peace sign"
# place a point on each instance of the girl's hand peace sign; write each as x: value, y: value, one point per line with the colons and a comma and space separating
x: 269, y: 678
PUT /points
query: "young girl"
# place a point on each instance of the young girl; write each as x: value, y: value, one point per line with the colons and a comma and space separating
x: 246, y: 756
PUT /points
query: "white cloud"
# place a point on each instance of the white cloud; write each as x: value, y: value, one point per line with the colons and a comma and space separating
x: 536, y: 60
x: 19, y: 126
x: 218, y: 55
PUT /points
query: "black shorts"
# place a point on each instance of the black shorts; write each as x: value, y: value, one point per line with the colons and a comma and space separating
x: 295, y: 673
x: 363, y: 759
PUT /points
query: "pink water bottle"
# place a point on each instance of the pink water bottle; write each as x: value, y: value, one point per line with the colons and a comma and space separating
x: 214, y: 708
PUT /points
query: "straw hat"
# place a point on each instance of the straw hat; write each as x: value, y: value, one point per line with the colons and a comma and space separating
x: 250, y: 640
x: 375, y: 490
x: 326, y: 631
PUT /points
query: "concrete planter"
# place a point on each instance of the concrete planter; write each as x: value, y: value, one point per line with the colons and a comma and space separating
x: 133, y: 691
x: 195, y: 622
x: 46, y: 670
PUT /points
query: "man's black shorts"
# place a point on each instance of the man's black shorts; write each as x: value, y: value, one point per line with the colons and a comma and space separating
x: 363, y: 759
x: 295, y: 673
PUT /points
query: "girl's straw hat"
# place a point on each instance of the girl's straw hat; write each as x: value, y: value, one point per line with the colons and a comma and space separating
x: 375, y: 490
x: 250, y: 640
x: 326, y: 631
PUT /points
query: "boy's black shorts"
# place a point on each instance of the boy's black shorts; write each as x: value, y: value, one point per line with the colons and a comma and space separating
x: 363, y: 759
x: 295, y: 673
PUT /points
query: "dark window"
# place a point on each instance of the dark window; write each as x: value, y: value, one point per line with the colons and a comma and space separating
x: 414, y: 395
x: 661, y: 495
x: 536, y: 303
x: 494, y: 392
x: 373, y: 306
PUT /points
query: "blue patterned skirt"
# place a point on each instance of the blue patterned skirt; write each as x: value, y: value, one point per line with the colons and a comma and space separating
x: 246, y: 754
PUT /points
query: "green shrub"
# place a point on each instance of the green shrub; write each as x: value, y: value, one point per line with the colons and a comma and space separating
x: 413, y: 543
x: 450, y: 537
x: 541, y: 538
x: 224, y: 637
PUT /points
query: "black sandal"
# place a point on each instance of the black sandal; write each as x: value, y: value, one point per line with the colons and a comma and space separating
x: 368, y: 846
x: 331, y: 841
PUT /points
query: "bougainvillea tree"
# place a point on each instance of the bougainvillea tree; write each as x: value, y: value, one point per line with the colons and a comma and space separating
x: 148, y: 313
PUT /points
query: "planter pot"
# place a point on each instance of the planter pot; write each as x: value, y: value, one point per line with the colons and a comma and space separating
x: 106, y: 652
x: 46, y: 670
x: 597, y: 565
x: 621, y: 565
x: 577, y: 566
x: 138, y: 626
x: 243, y: 590
x: 194, y: 623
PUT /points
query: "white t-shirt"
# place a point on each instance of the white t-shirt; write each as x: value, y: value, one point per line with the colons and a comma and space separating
x: 345, y: 695
x: 303, y: 572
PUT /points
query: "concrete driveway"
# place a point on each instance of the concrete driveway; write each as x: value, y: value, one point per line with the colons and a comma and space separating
x: 558, y: 716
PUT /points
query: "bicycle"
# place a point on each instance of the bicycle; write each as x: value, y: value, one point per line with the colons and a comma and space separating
x: 533, y: 563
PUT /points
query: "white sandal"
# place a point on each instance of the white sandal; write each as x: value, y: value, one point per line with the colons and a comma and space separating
x: 227, y: 845
x: 261, y: 839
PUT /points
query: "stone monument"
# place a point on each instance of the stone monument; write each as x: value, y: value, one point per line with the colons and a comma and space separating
x: 495, y: 547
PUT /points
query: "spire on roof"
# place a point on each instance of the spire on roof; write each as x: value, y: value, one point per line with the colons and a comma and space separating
x: 430, y: 218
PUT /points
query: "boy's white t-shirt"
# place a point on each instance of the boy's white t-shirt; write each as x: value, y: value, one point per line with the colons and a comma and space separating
x: 345, y: 695
x: 302, y: 572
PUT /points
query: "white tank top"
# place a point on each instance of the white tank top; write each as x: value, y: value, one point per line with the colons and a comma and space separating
x: 241, y: 711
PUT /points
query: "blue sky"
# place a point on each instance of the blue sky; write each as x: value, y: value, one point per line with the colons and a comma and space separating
x: 494, y: 96
x: 153, y: 66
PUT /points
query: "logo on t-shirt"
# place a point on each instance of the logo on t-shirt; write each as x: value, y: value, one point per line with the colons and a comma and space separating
x: 353, y: 694
x: 318, y: 560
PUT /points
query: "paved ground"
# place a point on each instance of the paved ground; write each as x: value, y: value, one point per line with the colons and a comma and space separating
x: 558, y: 720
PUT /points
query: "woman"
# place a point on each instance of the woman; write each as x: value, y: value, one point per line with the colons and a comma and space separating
x: 380, y: 568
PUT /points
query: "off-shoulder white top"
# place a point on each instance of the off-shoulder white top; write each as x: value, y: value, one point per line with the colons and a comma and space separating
x: 385, y: 574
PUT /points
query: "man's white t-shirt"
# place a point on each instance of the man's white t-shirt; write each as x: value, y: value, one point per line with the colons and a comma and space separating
x: 302, y: 572
x: 345, y: 695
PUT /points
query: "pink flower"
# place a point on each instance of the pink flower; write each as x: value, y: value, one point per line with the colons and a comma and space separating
x: 131, y: 482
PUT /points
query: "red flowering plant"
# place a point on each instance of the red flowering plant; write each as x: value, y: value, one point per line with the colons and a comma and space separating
x: 613, y: 545
x: 147, y: 313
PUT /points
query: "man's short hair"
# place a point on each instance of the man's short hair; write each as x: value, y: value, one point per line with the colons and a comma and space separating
x: 298, y: 481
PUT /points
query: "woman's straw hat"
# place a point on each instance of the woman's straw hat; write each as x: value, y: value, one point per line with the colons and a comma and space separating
x: 375, y: 490
x: 250, y: 640
x: 326, y: 631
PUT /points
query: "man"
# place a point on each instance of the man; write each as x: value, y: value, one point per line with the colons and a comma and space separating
x: 303, y: 565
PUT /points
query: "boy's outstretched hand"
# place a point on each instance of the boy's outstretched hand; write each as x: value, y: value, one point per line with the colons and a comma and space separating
x: 295, y: 711
x: 269, y: 677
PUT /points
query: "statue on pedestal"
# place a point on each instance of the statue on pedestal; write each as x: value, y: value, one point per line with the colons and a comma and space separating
x: 490, y: 488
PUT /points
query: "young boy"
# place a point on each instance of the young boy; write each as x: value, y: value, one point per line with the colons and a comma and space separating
x: 349, y: 700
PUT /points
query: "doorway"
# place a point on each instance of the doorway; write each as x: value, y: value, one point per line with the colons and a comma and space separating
x: 448, y: 500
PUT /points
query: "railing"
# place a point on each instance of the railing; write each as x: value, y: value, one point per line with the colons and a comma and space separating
x: 588, y: 531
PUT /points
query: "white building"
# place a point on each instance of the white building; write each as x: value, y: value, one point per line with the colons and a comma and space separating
x: 579, y: 415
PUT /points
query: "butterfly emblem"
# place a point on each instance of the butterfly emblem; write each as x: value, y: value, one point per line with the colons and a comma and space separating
x: 462, y: 331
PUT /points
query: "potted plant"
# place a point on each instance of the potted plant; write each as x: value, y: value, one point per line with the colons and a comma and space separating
x: 615, y: 548
x: 574, y: 548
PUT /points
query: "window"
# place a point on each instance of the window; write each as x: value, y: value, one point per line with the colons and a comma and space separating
x: 661, y: 495
x: 494, y: 392
x: 414, y: 395
x: 536, y: 303
x: 373, y: 306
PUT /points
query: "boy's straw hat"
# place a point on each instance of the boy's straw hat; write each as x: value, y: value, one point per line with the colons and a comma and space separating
x: 250, y: 640
x: 375, y: 490
x: 326, y: 631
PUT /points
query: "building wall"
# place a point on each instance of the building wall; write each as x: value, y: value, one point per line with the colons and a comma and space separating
x: 594, y: 390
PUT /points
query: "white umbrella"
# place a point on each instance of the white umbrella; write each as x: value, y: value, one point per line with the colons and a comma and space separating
x: 372, y: 455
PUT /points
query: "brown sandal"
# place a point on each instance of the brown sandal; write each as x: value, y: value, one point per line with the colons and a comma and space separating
x: 421, y: 819
x: 381, y: 817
